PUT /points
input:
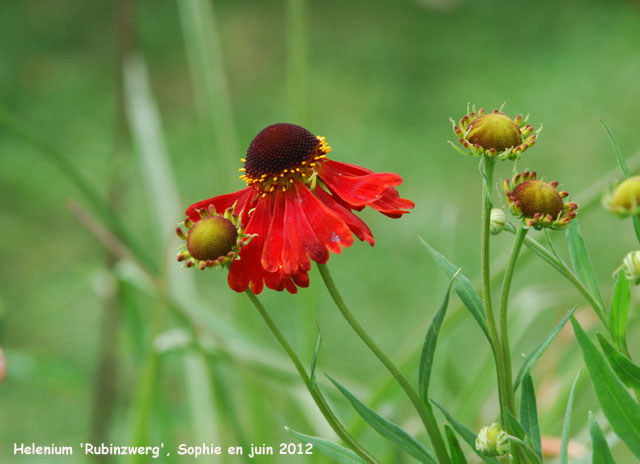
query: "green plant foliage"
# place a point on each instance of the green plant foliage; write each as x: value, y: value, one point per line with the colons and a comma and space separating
x: 626, y: 370
x: 601, y: 452
x: 336, y: 452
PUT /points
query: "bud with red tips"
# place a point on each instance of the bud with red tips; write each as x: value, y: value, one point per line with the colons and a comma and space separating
x: 493, y: 134
x: 539, y: 203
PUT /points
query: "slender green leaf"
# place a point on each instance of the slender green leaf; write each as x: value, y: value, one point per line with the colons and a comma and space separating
x: 533, y: 457
x: 564, y: 445
x: 516, y: 427
x: 601, y: 452
x: 626, y: 370
x: 466, y: 434
x: 529, y: 413
x: 429, y: 347
x: 616, y: 148
x: 539, y: 349
x: 314, y: 360
x: 619, y: 311
x: 457, y: 456
x: 582, y: 262
x: 328, y: 448
x: 462, y: 286
x: 387, y: 429
x: 622, y: 412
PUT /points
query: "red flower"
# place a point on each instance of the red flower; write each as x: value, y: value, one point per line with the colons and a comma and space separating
x: 298, y: 205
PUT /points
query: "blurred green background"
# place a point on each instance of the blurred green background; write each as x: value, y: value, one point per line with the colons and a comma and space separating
x: 153, y: 103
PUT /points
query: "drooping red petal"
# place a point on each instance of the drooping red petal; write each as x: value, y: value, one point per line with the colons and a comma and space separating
x: 248, y: 268
x: 390, y: 204
x: 357, y: 225
x: 330, y: 230
x: 357, y: 190
x: 300, y: 241
x: 271, y: 259
x: 221, y: 203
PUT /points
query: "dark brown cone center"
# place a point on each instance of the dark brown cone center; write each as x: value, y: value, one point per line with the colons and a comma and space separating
x: 279, y: 147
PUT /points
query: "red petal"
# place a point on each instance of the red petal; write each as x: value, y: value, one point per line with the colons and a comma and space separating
x: 357, y: 225
x: 348, y: 168
x: 358, y: 190
x: 248, y: 268
x: 272, y: 253
x: 390, y: 204
x: 301, y: 238
x: 329, y: 228
x: 221, y: 203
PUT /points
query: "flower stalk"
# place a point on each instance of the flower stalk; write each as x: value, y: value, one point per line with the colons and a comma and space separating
x: 424, y: 410
x: 333, y: 421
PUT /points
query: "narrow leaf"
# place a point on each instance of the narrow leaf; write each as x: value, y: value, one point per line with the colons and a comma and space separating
x: 457, y: 456
x: 539, y: 349
x: 601, y: 452
x: 314, y: 360
x: 328, y: 448
x: 387, y: 429
x: 616, y: 148
x: 564, y: 445
x: 626, y: 370
x: 622, y: 412
x: 582, y: 262
x: 619, y: 312
x: 466, y: 434
x: 429, y: 347
x: 515, y: 426
x: 462, y: 286
x: 529, y: 413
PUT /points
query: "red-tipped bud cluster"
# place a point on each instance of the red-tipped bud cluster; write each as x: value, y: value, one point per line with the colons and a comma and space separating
x: 539, y: 203
x: 494, y: 134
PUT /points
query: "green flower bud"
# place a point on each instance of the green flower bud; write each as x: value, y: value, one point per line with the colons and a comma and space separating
x: 497, y: 221
x: 493, y: 441
x: 624, y: 200
x: 494, y: 130
x: 211, y: 238
x: 631, y: 267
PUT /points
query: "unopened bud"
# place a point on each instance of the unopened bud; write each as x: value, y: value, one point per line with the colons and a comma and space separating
x: 492, y: 441
x: 498, y: 221
x: 631, y: 267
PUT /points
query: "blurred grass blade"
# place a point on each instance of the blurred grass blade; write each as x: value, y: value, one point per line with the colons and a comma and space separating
x: 457, y: 456
x: 529, y: 413
x: 601, y: 452
x: 429, y: 346
x: 619, y: 311
x: 328, y: 448
x: 197, y: 381
x: 626, y: 370
x: 296, y: 61
x: 622, y: 412
x: 566, y: 426
x: 146, y: 129
x: 211, y: 89
x: 618, y: 151
x: 462, y: 286
x: 466, y: 434
x: 582, y: 262
x: 539, y: 350
x: 387, y: 429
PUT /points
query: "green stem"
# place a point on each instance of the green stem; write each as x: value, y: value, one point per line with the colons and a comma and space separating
x: 504, y: 309
x: 564, y: 269
x: 487, y: 168
x: 424, y: 410
x: 333, y: 421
